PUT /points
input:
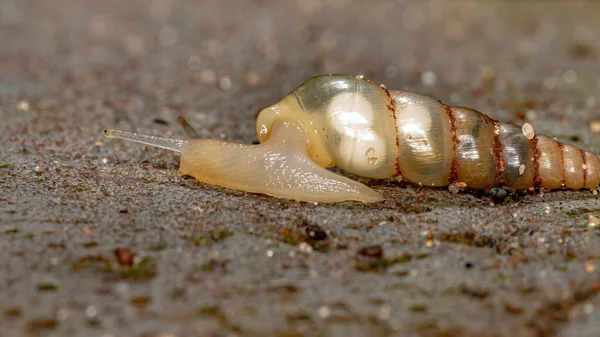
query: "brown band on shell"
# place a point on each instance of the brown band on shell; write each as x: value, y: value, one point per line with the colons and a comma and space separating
x: 584, y: 167
x: 563, y: 179
x: 537, y: 181
x: 392, y: 108
x: 454, y: 164
x: 497, y: 151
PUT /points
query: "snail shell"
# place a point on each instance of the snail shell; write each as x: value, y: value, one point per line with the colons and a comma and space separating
x: 367, y: 130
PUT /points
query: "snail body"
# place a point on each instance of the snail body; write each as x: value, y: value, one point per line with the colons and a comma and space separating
x: 365, y: 129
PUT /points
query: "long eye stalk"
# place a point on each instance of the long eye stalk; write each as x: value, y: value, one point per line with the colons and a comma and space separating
x: 169, y: 144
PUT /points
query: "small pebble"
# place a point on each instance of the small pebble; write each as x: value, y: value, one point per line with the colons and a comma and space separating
x: 225, y: 83
x: 595, y: 126
x: 315, y: 232
x: 457, y: 187
x: 371, y: 251
x: 594, y: 221
x: 589, y: 267
x: 91, y: 311
x: 124, y: 256
x: 528, y: 131
x: 498, y: 194
x: 324, y: 311
x: 23, y: 105
x: 305, y: 248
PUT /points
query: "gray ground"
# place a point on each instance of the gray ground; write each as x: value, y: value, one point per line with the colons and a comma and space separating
x: 215, y: 262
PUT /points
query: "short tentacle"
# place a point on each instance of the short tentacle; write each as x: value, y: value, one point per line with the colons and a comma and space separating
x: 187, y: 128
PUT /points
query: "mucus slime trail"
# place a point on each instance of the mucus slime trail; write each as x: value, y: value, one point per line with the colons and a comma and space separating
x: 367, y: 130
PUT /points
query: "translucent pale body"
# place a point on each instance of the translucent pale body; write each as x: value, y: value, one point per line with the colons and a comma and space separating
x: 279, y: 167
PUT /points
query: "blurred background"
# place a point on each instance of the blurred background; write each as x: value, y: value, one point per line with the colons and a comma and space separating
x: 503, y: 57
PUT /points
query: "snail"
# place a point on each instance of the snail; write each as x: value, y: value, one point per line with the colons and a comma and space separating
x: 367, y: 130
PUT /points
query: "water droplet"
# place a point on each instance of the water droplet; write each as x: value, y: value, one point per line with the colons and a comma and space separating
x: 522, y: 169
x: 497, y: 129
x: 269, y: 253
x: 584, y: 166
x: 527, y: 130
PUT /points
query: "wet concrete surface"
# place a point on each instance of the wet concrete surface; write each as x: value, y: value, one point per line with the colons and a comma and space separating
x: 102, y: 237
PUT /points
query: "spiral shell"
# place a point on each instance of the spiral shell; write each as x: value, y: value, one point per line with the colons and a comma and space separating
x: 432, y: 144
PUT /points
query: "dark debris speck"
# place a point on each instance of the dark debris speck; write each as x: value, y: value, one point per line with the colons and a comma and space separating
x: 371, y: 251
